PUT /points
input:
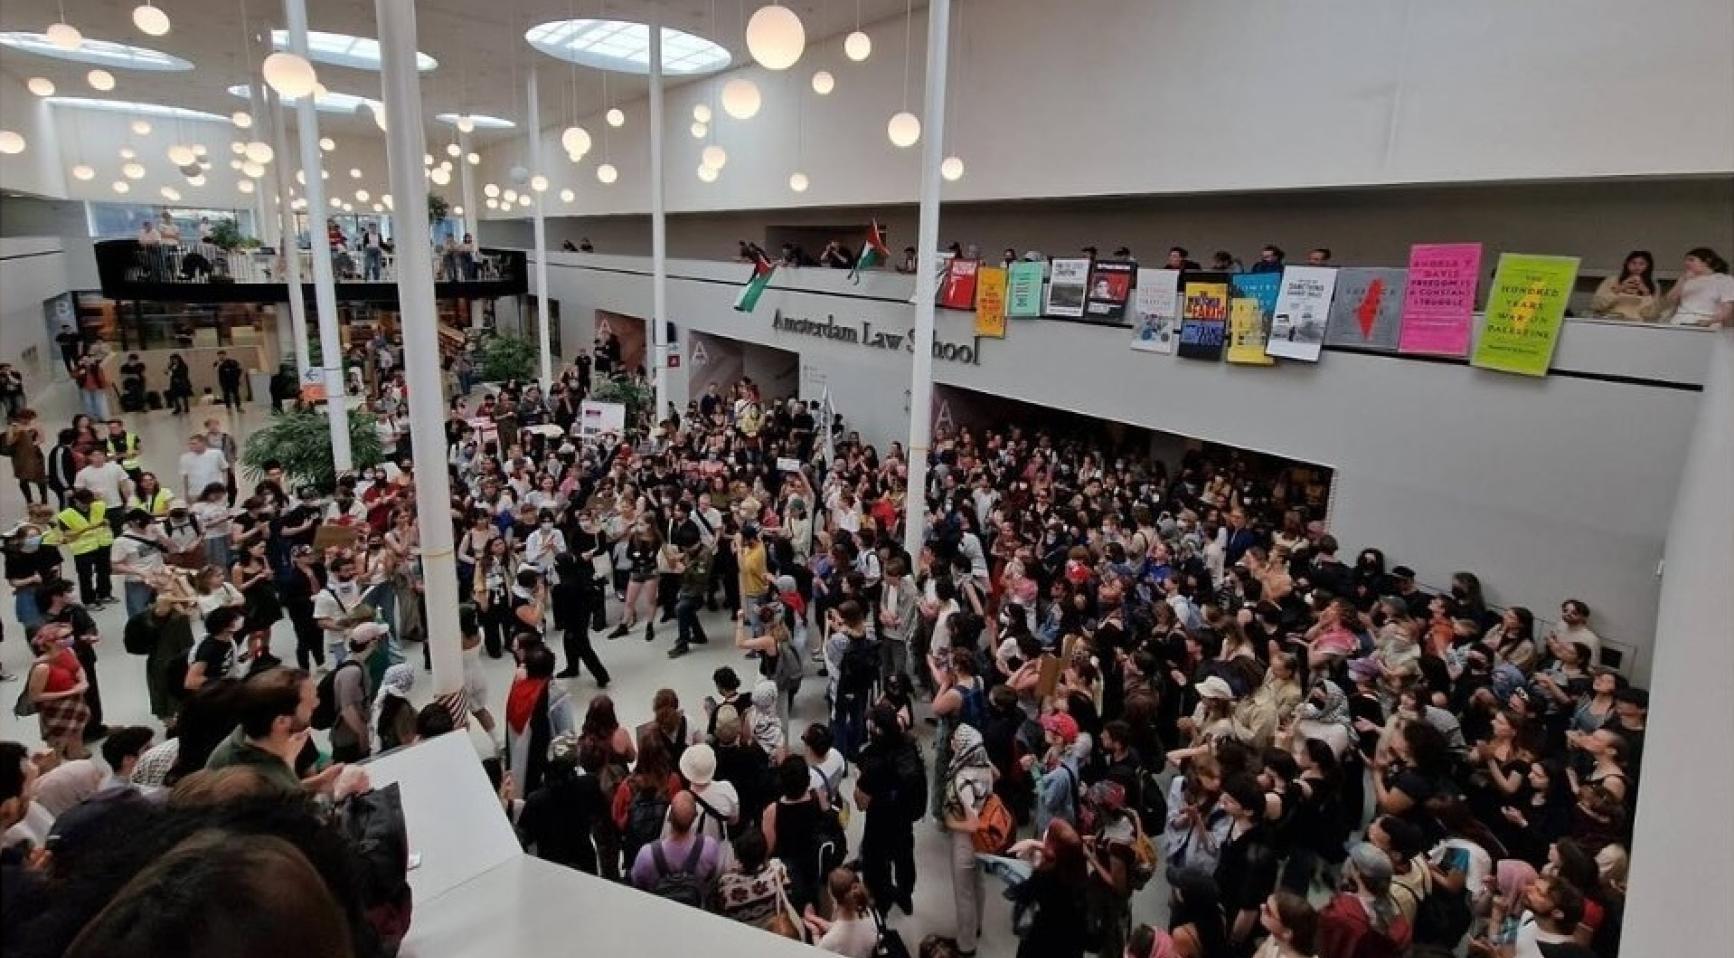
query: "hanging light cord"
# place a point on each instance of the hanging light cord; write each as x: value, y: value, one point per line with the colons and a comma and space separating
x: 908, y: 38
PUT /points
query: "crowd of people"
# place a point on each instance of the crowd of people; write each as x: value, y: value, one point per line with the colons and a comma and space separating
x: 1097, y: 674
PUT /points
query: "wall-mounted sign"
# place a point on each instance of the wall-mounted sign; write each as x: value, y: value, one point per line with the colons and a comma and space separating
x: 866, y: 334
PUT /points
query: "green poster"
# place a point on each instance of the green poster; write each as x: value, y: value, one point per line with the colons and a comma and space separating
x: 1024, y: 290
x: 1524, y: 313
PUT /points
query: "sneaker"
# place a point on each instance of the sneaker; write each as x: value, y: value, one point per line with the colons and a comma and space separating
x: 566, y: 674
x: 678, y: 651
x: 649, y: 632
x: 619, y: 631
x: 666, y: 617
x: 699, y: 638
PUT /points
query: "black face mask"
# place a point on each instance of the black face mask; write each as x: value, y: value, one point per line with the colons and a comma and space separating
x: 1458, y: 592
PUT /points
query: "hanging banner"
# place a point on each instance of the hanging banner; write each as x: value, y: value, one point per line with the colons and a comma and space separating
x: 1246, y: 333
x: 1024, y: 290
x: 1110, y: 289
x: 1067, y: 283
x: 990, y: 302
x: 1368, y: 309
x: 1303, y: 304
x: 1203, y: 316
x: 599, y: 418
x: 1524, y: 313
x: 958, y: 289
x: 1439, y: 302
x: 1156, y: 310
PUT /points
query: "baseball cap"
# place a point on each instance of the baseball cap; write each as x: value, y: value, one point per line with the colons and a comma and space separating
x: 1215, y: 688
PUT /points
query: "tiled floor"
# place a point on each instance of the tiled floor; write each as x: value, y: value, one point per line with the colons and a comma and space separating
x: 639, y: 670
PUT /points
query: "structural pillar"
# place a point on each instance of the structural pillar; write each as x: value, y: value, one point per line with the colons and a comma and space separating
x: 1681, y: 886
x: 544, y: 338
x: 265, y: 223
x: 401, y: 84
x: 324, y: 292
x: 658, y: 234
x: 289, y: 245
x: 926, y: 261
x: 472, y: 215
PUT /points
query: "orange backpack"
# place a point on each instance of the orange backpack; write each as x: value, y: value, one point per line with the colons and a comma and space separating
x: 994, y: 828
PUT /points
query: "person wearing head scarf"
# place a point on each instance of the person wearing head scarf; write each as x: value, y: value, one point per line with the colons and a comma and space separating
x: 1362, y: 919
x: 968, y: 782
x: 1324, y: 714
x: 764, y: 722
x: 393, y: 715
x: 1056, y: 773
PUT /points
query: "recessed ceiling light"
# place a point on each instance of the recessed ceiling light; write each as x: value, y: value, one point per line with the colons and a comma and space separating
x: 343, y: 50
x: 624, y: 46
x: 105, y: 53
x: 478, y: 121
x: 41, y: 86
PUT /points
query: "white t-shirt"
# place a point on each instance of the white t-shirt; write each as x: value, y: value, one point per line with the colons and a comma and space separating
x: 143, y: 555
x: 828, y: 775
x: 1701, y: 296
x: 1531, y: 936
x: 213, y: 517
x: 851, y: 938
x: 200, y: 469
x: 722, y: 797
x: 104, y: 481
x: 334, y: 602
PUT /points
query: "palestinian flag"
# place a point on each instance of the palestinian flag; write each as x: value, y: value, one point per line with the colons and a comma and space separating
x: 762, y: 270
x: 873, y: 252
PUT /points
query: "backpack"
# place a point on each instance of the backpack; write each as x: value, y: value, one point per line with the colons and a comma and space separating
x: 995, y: 827
x: 644, y: 818
x: 859, y: 670
x: 1152, y: 807
x: 1442, y: 917
x: 325, y: 712
x: 910, y: 775
x: 682, y: 885
x: 790, y: 669
x: 974, y: 711
x: 1144, y: 856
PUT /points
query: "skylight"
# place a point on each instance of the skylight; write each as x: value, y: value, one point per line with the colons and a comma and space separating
x: 482, y: 120
x: 106, y: 53
x: 624, y: 46
x: 331, y: 102
x: 343, y: 50
x: 137, y: 109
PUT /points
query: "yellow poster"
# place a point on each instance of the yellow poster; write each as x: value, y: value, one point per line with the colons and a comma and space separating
x: 990, y: 302
x: 1246, y: 333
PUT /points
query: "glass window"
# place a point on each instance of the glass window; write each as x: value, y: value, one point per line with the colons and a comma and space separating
x: 122, y: 220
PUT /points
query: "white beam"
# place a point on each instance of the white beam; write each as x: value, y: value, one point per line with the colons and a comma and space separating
x: 324, y: 289
x: 926, y: 261
x: 658, y: 234
x: 401, y: 83
x: 288, y: 245
x: 544, y: 338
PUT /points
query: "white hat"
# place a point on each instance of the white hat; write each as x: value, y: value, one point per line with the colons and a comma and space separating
x: 698, y: 764
x: 1215, y: 688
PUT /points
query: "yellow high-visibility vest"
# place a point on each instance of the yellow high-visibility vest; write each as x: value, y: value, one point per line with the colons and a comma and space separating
x: 87, y: 534
x: 128, y: 456
x: 158, y: 506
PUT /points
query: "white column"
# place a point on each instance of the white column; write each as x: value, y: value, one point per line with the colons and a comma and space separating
x: 324, y: 292
x: 472, y: 214
x: 290, y: 248
x: 543, y: 338
x: 401, y: 85
x: 658, y: 234
x: 926, y: 260
x: 1682, y: 843
x: 265, y: 223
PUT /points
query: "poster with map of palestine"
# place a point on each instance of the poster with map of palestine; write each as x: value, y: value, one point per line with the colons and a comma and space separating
x: 1249, y: 312
x: 1368, y: 310
x: 1203, y: 316
x: 1297, y: 328
x: 1524, y: 314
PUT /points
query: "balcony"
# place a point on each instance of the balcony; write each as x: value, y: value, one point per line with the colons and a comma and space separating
x: 201, y: 273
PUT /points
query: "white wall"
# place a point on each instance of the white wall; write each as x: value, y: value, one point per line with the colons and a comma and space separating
x: 37, y: 169
x: 1545, y: 488
x: 32, y: 269
x: 1105, y: 98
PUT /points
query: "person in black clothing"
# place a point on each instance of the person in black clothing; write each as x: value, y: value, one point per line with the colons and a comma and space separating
x: 1246, y: 872
x: 576, y: 599
x: 229, y: 374
x: 1055, y: 890
x: 554, y: 820
x: 890, y: 790
x: 71, y: 347
x: 306, y: 579
x: 682, y: 533
x: 180, y: 391
x: 62, y: 467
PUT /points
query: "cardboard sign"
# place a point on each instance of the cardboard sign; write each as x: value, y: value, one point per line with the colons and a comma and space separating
x: 597, y: 418
x: 331, y: 534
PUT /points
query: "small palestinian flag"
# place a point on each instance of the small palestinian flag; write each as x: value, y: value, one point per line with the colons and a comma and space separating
x: 873, y: 252
x: 762, y: 270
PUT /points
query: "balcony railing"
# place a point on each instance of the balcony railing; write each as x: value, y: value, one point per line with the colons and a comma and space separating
x: 204, y: 273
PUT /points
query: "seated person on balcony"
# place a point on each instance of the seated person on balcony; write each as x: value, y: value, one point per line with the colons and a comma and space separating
x: 1704, y: 294
x: 1632, y: 294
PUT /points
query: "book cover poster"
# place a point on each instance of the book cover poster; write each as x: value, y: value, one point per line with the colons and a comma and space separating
x: 1068, y: 282
x: 1368, y: 309
x: 1439, y: 304
x: 1156, y: 311
x: 1203, y: 316
x: 958, y: 289
x: 1303, y: 305
x: 1110, y: 290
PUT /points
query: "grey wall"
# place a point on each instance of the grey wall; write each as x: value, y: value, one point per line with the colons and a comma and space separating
x: 1598, y: 221
x: 1546, y: 488
x: 64, y: 219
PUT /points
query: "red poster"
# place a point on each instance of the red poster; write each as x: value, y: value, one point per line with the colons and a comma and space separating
x: 958, y: 290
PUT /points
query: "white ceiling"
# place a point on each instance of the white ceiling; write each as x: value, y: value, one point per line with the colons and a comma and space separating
x: 483, y: 58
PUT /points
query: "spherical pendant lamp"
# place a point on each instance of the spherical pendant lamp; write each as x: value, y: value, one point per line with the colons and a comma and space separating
x: 64, y: 35
x: 290, y: 75
x: 798, y: 182
x: 606, y: 173
x: 904, y: 129
x: 740, y: 99
x: 857, y: 46
x: 714, y: 157
x: 951, y: 168
x: 575, y: 139
x: 150, y: 20
x: 775, y: 37
x: 824, y: 82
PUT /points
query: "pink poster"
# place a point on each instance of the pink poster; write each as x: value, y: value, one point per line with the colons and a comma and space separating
x: 1439, y: 303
